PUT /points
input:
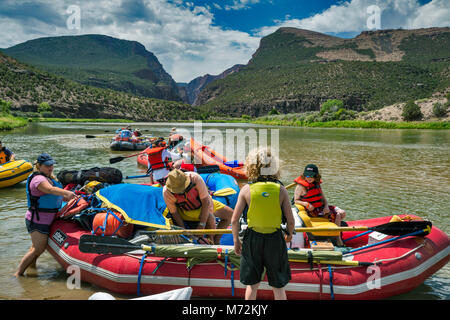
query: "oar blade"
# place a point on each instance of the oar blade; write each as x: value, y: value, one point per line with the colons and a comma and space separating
x: 403, y: 227
x: 102, y: 245
x: 116, y: 159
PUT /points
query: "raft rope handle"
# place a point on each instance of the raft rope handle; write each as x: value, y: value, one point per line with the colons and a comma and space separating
x: 140, y: 273
x: 321, y: 280
x: 226, y: 262
x: 403, y: 255
x: 232, y: 280
x: 330, y: 271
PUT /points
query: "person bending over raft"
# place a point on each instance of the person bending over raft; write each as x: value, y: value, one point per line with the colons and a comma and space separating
x: 44, y: 195
x: 263, y: 243
x: 159, y: 162
x: 309, y: 197
x: 188, y: 199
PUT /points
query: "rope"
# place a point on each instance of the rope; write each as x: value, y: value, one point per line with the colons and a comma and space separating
x: 140, y: 273
x: 330, y: 271
x: 403, y: 255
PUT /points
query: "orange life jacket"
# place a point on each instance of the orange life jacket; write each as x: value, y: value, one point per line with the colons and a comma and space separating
x: 155, y: 158
x: 313, y: 193
x: 190, y: 200
x: 3, y: 157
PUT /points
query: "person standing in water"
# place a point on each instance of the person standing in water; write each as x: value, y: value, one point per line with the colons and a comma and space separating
x: 45, y: 196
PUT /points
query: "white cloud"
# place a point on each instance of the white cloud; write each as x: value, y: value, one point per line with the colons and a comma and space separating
x: 241, y: 4
x: 351, y: 16
x: 182, y: 37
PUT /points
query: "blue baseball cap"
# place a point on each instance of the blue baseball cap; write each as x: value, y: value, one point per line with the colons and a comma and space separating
x: 45, y: 159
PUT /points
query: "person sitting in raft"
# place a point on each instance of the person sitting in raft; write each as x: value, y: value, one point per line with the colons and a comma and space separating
x: 188, y: 200
x: 45, y: 196
x: 6, y: 155
x: 159, y: 164
x: 309, y: 195
x: 263, y: 245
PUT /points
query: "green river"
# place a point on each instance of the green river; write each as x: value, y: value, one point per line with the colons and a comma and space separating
x: 367, y: 172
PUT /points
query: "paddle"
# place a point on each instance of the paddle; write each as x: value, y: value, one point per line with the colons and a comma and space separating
x: 290, y: 185
x: 97, y: 244
x: 120, y: 158
x: 391, y: 228
x: 90, y: 136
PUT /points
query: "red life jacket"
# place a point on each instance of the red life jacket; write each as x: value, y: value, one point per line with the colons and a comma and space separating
x: 313, y: 193
x: 155, y: 158
x: 190, y: 200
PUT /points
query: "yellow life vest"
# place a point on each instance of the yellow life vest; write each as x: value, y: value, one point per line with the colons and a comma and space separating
x: 264, y: 213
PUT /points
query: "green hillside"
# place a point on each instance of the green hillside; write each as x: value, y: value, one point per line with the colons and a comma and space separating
x: 100, y: 61
x: 296, y: 70
x: 30, y: 91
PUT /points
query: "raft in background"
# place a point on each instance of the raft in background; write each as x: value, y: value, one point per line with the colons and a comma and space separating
x: 14, y: 172
x: 207, y: 156
x: 128, y: 146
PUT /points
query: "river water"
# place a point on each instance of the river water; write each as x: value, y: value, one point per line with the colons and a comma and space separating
x: 368, y: 172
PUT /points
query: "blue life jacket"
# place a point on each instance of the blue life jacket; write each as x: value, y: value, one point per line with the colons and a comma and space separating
x: 45, y: 203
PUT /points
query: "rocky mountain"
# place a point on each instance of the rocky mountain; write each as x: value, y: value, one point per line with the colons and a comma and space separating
x: 194, y: 87
x: 296, y: 70
x: 28, y: 89
x: 100, y: 61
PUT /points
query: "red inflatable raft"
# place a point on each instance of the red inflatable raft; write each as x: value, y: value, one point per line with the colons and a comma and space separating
x: 402, y: 266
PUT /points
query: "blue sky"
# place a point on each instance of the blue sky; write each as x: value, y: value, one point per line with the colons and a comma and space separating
x: 195, y: 37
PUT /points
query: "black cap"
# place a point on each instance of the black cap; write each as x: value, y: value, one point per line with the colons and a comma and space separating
x: 311, y: 170
x: 45, y: 159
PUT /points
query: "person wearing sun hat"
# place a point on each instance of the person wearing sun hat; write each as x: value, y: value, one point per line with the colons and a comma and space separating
x: 188, y: 201
x: 309, y: 196
x: 45, y: 196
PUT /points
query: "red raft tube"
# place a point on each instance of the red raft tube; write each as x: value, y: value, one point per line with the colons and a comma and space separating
x: 400, y: 266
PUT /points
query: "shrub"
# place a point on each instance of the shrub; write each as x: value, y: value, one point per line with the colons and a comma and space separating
x: 411, y: 111
x: 5, y: 107
x: 44, y: 107
x: 439, y: 109
x: 331, y: 105
x: 273, y: 112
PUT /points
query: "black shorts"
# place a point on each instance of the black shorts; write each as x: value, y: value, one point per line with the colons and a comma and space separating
x: 261, y: 250
x: 42, y: 228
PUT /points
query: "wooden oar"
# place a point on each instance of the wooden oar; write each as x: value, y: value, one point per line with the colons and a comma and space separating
x: 391, y: 228
x: 120, y: 158
x: 290, y: 185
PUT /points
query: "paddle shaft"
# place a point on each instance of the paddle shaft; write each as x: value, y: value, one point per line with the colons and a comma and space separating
x: 228, y: 231
x: 391, y: 228
x: 120, y: 158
